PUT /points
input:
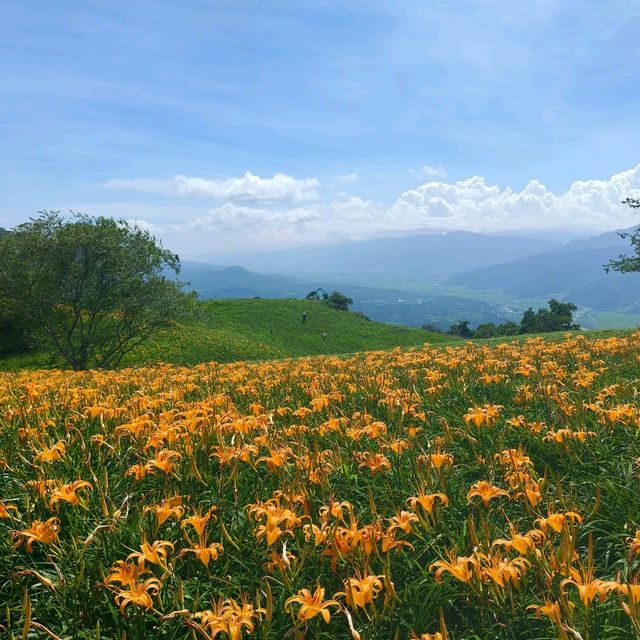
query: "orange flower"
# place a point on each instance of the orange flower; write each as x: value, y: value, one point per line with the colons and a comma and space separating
x: 228, y: 617
x: 485, y: 415
x: 427, y: 501
x: 139, y: 593
x: 155, y: 553
x: 362, y: 591
x: 69, y: 492
x: 375, y: 462
x: 312, y: 605
x: 439, y: 460
x: 5, y: 509
x: 52, y: 454
x: 169, y: 508
x: 43, y: 532
x: 557, y: 521
x: 163, y: 461
x: 125, y: 573
x: 199, y: 522
x: 550, y: 609
x: 460, y: 567
x: 402, y: 521
x: 588, y: 587
x: 522, y: 543
x: 634, y: 543
x: 502, y: 570
x: 205, y: 554
x: 485, y: 491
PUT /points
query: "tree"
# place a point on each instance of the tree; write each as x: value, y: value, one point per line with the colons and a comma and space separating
x: 558, y: 317
x: 487, y: 330
x: 628, y: 264
x: 337, y: 300
x: 91, y: 289
x: 14, y: 335
x: 508, y: 329
x: 460, y: 328
x: 313, y: 295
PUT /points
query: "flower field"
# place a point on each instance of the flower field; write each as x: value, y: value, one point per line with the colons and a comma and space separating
x: 479, y: 491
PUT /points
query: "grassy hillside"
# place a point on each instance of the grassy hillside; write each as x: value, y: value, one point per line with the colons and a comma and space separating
x: 249, y: 329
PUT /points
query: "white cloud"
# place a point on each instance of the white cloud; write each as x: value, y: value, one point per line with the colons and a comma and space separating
x: 474, y: 205
x: 471, y: 204
x: 427, y: 171
x: 348, y: 178
x: 246, y: 188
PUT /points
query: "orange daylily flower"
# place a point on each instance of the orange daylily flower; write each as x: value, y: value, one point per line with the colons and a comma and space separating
x: 557, y: 521
x: 139, y: 593
x: 362, y: 591
x: 5, y: 509
x: 205, y: 554
x: 169, y: 508
x: 588, y: 587
x: 550, y: 609
x: 312, y: 605
x: 460, y: 567
x: 522, y: 543
x: 228, y: 617
x: 427, y: 501
x: 43, y: 532
x: 52, y: 454
x: 125, y: 573
x: 402, y: 521
x: 485, y: 491
x: 155, y: 553
x: 69, y: 492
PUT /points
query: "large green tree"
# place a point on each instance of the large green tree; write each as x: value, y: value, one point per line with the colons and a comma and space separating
x: 627, y: 264
x: 558, y: 317
x: 91, y: 289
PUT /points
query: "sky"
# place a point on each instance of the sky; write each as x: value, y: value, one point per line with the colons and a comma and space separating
x: 227, y: 126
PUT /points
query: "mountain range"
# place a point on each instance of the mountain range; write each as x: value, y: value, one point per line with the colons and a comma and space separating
x: 438, y: 278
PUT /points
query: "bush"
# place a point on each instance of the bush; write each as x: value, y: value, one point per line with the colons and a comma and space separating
x: 488, y: 330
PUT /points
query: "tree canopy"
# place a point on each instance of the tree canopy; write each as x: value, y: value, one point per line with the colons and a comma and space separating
x: 91, y: 289
x: 335, y: 299
x: 628, y: 264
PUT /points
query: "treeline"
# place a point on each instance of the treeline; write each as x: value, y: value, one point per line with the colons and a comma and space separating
x: 558, y: 316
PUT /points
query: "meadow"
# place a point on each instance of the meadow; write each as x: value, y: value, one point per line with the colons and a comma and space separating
x: 473, y: 491
x: 256, y: 329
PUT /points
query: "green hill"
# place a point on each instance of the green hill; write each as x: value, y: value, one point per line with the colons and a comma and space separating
x: 256, y: 329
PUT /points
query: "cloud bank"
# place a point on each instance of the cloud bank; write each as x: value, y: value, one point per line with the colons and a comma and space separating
x: 477, y: 206
x: 246, y: 188
x: 286, y: 210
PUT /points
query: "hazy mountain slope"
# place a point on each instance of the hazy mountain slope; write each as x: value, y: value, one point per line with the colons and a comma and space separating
x: 574, y: 271
x: 380, y: 304
x: 236, y: 282
x: 427, y: 254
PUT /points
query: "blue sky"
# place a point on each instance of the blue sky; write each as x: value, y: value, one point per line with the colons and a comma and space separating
x: 156, y: 111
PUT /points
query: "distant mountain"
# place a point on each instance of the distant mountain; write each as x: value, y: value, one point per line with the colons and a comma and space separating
x: 423, y: 255
x: 381, y: 304
x: 573, y: 272
x: 236, y: 282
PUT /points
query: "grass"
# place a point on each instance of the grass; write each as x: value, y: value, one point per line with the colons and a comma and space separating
x: 299, y: 474
x: 260, y: 329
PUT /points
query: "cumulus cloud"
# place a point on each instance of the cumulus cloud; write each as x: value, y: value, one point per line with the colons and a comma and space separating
x: 474, y: 205
x: 247, y: 188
